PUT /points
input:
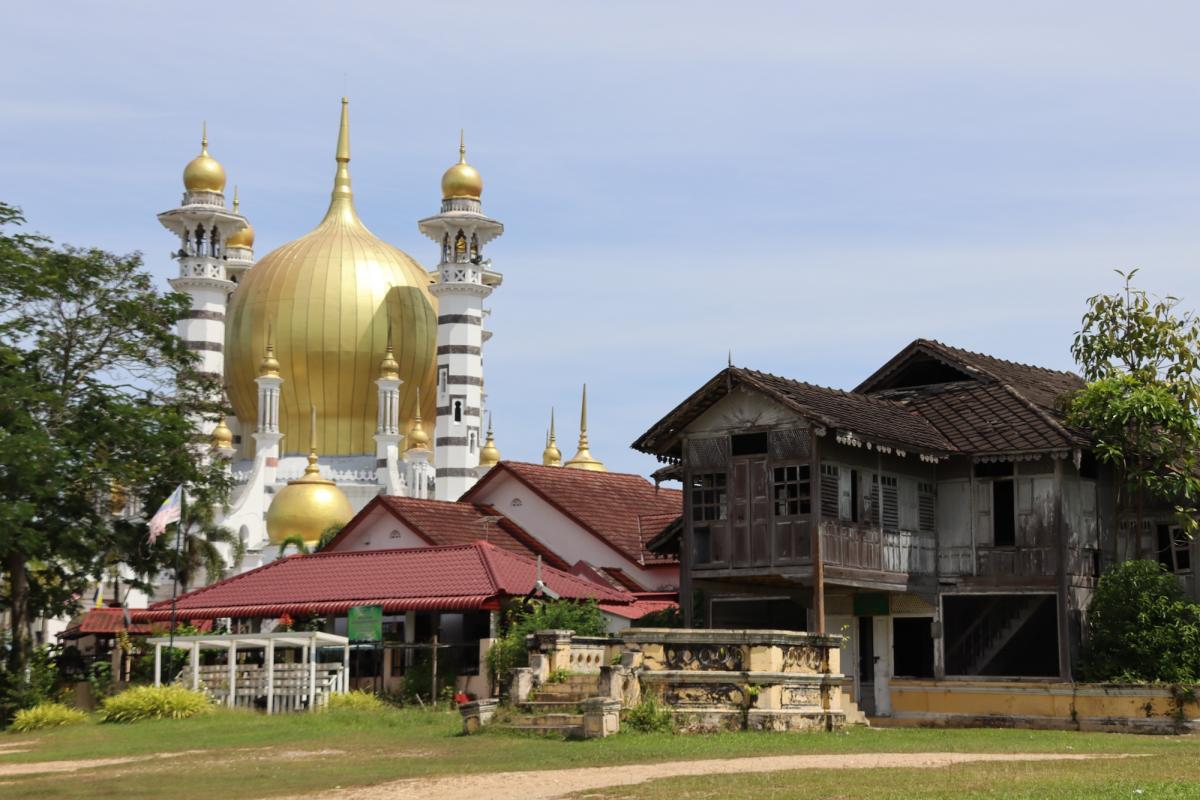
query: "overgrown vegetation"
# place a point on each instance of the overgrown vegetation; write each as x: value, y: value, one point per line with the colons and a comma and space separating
x: 154, y: 702
x: 508, y: 652
x: 1141, y: 358
x: 1141, y: 628
x: 648, y: 716
x: 666, y: 618
x: 46, y: 715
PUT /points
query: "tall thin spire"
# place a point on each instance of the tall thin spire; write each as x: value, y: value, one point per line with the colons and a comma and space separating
x: 341, y: 200
x: 270, y: 364
x: 204, y: 138
x: 235, y: 198
x: 551, y: 456
x: 312, y: 468
x: 583, y: 458
x: 462, y: 145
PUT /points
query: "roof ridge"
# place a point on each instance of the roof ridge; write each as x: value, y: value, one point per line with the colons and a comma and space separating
x: 1038, y: 410
x: 843, y: 392
x: 609, y: 473
x: 990, y: 357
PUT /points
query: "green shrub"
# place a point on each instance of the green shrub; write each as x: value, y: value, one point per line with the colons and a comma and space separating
x: 559, y: 675
x: 46, y: 715
x: 508, y: 652
x: 649, y: 716
x: 666, y: 618
x: 154, y: 702
x: 1141, y: 628
x: 360, y: 700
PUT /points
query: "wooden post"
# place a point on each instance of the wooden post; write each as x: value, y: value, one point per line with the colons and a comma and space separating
x: 433, y: 691
x: 312, y: 673
x: 195, y: 664
x: 1064, y: 607
x: 818, y: 555
x: 231, y: 700
x: 158, y: 665
x: 346, y: 667
x: 269, y: 666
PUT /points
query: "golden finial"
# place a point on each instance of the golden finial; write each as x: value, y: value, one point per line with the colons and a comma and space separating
x: 270, y: 364
x: 204, y: 138
x: 235, y: 198
x: 583, y: 458
x: 222, y: 437
x: 462, y: 145
x: 341, y: 198
x: 244, y: 237
x: 312, y: 468
x: 418, y: 439
x: 388, y: 368
x: 490, y: 454
x: 551, y: 456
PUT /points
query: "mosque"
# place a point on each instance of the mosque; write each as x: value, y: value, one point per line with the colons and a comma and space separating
x: 338, y: 352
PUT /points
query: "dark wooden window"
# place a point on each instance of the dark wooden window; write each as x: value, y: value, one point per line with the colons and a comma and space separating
x: 710, y: 509
x: 1004, y: 514
x: 791, y: 490
x: 831, y: 475
x: 889, y: 503
x: 749, y: 444
x: 926, y: 507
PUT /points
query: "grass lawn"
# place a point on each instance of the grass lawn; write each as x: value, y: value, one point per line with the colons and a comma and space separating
x: 242, y: 754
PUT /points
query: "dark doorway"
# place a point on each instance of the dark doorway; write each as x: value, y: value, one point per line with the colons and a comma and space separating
x: 866, y: 665
x: 1001, y: 634
x: 912, y: 647
x: 1004, y: 514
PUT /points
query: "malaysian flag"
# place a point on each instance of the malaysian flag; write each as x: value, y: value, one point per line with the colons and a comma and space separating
x: 168, y: 512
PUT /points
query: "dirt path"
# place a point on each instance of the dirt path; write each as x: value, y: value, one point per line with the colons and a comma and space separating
x: 554, y: 783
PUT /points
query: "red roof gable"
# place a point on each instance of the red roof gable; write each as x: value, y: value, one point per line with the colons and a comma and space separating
x: 443, y: 524
x: 428, y: 578
x: 102, y: 621
x: 624, y: 510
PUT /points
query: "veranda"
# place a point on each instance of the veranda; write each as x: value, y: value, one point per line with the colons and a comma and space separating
x: 261, y: 681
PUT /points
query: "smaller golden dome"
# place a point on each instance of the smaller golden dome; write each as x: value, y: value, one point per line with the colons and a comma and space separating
x: 417, y: 438
x: 389, y: 369
x: 489, y: 456
x: 462, y: 180
x: 307, y: 507
x: 244, y: 237
x: 222, y: 437
x: 551, y: 456
x: 204, y: 173
x: 270, y: 364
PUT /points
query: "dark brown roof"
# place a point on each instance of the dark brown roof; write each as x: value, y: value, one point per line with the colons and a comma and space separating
x: 621, y: 509
x: 881, y: 420
x: 929, y: 397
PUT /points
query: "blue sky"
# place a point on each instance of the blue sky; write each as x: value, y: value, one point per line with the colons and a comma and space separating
x: 811, y: 185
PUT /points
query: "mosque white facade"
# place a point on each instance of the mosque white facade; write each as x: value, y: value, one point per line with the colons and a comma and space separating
x: 337, y: 352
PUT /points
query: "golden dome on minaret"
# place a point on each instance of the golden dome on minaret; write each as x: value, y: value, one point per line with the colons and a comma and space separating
x: 330, y: 296
x: 222, y: 437
x: 551, y: 456
x: 244, y: 237
x: 583, y: 458
x: 309, y: 505
x: 388, y: 368
x: 462, y: 180
x: 204, y: 173
x: 269, y: 366
x: 417, y: 438
x: 489, y: 456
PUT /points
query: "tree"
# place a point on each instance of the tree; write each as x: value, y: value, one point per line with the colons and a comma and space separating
x: 1141, y: 358
x: 1142, y: 628
x: 97, y: 396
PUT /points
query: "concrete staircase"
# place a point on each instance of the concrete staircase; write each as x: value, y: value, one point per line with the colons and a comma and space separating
x: 555, y: 708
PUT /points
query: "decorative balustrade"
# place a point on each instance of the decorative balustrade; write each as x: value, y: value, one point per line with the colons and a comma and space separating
x: 1016, y: 562
x: 902, y: 552
x: 203, y: 198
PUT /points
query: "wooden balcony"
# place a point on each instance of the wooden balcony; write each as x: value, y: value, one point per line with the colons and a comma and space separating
x: 899, y: 552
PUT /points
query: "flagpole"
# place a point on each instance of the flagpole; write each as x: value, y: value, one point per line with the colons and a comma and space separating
x: 175, y: 581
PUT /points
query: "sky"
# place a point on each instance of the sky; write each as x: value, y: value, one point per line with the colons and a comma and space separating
x: 806, y: 186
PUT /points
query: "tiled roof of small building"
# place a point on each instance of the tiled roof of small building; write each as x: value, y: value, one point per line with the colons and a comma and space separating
x: 624, y: 510
x: 461, y: 577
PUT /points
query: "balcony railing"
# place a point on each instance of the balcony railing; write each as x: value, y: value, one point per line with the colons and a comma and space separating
x: 902, y: 552
x: 1015, y: 562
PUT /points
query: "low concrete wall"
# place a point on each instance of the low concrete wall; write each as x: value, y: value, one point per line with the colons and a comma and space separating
x: 734, y: 679
x: 1045, y: 704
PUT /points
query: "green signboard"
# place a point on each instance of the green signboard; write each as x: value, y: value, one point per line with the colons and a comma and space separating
x: 869, y: 604
x: 364, y: 623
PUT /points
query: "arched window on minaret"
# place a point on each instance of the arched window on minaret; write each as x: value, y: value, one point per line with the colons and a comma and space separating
x: 474, y: 247
x: 445, y: 248
x: 199, y: 240
x: 460, y: 247
x: 458, y: 410
x: 214, y: 239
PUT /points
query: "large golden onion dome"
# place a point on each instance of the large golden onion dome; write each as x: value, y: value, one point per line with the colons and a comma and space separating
x: 244, y: 237
x: 204, y: 173
x: 329, y: 297
x: 307, y: 507
x: 462, y: 180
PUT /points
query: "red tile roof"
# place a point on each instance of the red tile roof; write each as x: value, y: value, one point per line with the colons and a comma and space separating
x: 461, y: 577
x: 102, y: 621
x: 442, y: 524
x: 623, y: 510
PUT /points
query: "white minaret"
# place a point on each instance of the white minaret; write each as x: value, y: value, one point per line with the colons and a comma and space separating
x: 464, y: 279
x: 420, y: 472
x: 267, y: 435
x: 203, y: 226
x: 387, y: 424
